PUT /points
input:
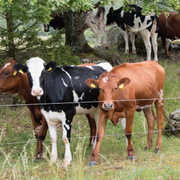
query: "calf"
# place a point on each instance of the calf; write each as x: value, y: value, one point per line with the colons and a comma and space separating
x: 12, y: 82
x: 133, y: 21
x: 62, y: 92
x: 126, y: 88
x: 169, y: 28
x: 94, y: 21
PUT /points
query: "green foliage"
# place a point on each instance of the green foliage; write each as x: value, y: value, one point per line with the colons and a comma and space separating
x: 53, y: 49
x: 22, y: 22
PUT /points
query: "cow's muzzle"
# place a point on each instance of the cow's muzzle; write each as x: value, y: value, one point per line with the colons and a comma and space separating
x: 37, y: 92
x: 108, y: 106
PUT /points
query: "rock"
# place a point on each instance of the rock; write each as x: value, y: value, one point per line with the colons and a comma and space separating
x: 175, y: 120
x: 112, y: 36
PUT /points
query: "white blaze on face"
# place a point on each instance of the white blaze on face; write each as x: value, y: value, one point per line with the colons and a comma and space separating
x: 35, y: 68
x: 7, y: 64
x: 105, y: 79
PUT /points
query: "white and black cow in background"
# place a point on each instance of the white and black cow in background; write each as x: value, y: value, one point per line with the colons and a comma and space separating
x: 133, y: 21
x: 65, y: 85
x: 94, y: 21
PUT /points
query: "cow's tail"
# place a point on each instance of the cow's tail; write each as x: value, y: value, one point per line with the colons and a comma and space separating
x: 170, y: 123
x: 133, y: 30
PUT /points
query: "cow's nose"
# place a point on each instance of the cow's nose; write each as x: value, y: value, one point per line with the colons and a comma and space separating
x: 108, y: 106
x: 37, y: 92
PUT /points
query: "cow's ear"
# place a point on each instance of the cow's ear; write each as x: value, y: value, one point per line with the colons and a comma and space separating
x: 20, y: 68
x: 50, y: 66
x: 123, y: 82
x: 111, y: 10
x: 92, y: 83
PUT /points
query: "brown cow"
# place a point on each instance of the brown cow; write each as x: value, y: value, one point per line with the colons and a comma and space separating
x: 124, y: 89
x: 169, y: 28
x: 12, y: 82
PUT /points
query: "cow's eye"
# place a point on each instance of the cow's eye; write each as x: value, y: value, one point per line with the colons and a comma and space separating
x: 115, y: 88
x: 5, y: 73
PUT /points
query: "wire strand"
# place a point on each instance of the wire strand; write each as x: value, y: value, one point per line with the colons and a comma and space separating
x: 86, y: 102
x: 86, y: 137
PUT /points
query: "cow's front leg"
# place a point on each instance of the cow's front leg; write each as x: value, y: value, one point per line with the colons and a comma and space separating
x: 66, y: 126
x: 128, y: 133
x: 101, y: 128
x: 41, y: 137
x: 53, y: 135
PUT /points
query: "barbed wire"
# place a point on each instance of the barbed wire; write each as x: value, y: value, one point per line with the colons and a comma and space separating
x: 87, y: 102
x: 85, y: 137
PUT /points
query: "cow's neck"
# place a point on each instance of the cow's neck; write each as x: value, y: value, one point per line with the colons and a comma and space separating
x: 24, y: 89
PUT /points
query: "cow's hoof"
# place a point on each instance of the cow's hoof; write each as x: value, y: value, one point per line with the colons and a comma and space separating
x: 131, y: 157
x: 145, y: 148
x: 106, y: 47
x: 157, y: 151
x: 134, y: 52
x: 92, y: 163
x: 36, y: 160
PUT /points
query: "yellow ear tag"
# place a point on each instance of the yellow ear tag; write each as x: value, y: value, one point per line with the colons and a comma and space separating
x: 21, y: 71
x: 50, y: 69
x: 121, y: 86
x: 15, y: 73
x: 93, y: 85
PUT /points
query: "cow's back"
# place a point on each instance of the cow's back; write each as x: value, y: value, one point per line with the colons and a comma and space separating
x: 169, y: 27
x: 67, y: 84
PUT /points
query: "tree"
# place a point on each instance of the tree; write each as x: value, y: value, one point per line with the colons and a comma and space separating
x: 22, y: 19
x: 23, y: 16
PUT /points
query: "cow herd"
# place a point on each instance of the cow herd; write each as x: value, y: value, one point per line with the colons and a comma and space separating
x: 133, y: 22
x: 100, y: 91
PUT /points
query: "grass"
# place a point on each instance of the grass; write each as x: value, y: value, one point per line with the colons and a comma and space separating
x: 18, y: 146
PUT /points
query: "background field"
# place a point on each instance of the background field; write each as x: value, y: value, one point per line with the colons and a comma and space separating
x: 18, y: 145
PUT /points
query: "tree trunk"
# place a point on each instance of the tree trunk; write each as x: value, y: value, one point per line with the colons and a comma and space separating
x: 10, y: 39
x: 74, y: 23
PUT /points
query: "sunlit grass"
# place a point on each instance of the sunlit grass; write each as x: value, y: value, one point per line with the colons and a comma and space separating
x: 18, y: 146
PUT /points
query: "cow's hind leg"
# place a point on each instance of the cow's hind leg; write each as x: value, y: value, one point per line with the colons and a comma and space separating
x: 126, y: 42
x: 92, y: 125
x: 146, y: 38
x: 154, y: 44
x: 133, y: 43
x: 149, y: 114
x: 66, y: 125
x: 160, y: 120
x: 104, y: 33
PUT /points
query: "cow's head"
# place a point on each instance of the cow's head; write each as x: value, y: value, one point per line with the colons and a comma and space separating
x: 8, y: 78
x: 57, y: 22
x: 46, y: 27
x: 110, y: 17
x: 109, y: 87
x: 36, y: 69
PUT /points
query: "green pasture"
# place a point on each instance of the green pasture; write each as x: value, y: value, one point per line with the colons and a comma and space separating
x: 18, y: 146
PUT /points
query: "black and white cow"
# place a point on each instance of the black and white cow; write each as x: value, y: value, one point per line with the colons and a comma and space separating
x: 64, y: 90
x: 133, y: 21
x: 57, y: 23
x: 94, y: 21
